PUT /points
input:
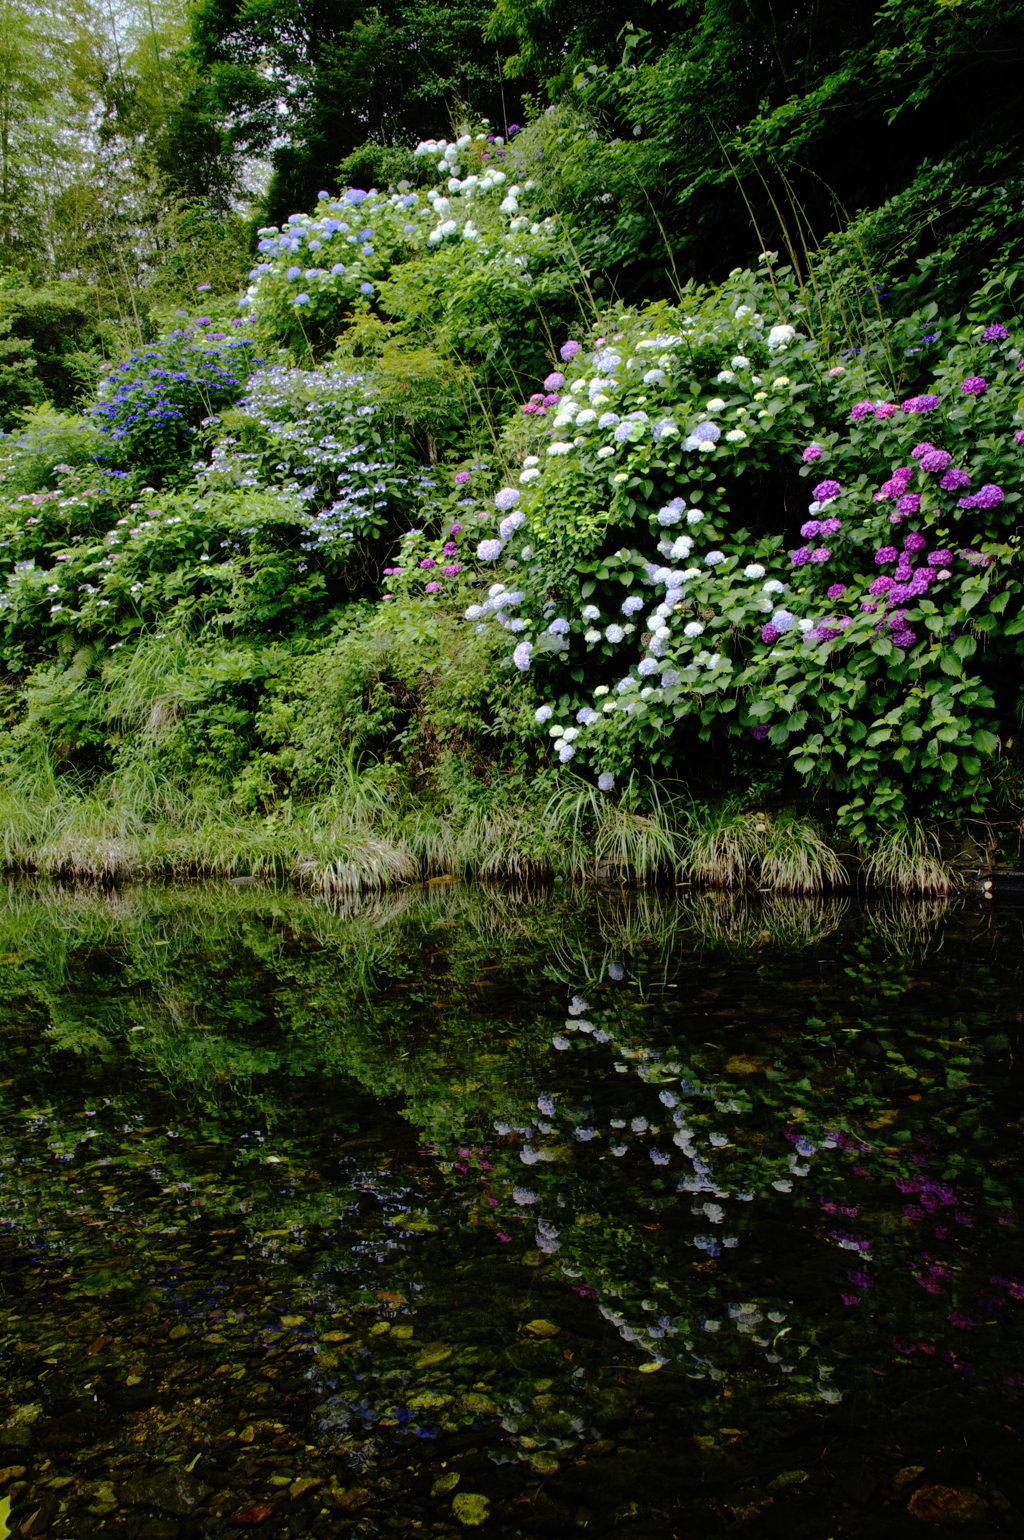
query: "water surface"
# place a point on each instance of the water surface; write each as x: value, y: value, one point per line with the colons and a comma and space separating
x: 526, y: 1213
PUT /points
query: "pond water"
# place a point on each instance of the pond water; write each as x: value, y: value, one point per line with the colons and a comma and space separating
x: 537, y: 1213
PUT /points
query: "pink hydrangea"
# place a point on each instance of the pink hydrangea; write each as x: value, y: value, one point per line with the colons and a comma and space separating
x: 811, y: 453
x: 554, y: 381
x: 862, y: 409
x: 884, y: 554
x: 885, y: 409
x: 974, y: 385
x: 770, y: 633
x: 453, y: 570
x: 825, y: 491
x: 920, y: 450
x: 821, y: 554
x: 914, y: 542
x: 568, y: 350
x: 831, y: 526
x: 810, y: 529
x: 461, y: 477
x: 881, y: 585
x: 432, y: 588
x: 1018, y: 437
x: 936, y: 460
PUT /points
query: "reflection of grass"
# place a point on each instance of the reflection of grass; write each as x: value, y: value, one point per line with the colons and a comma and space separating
x: 909, y: 926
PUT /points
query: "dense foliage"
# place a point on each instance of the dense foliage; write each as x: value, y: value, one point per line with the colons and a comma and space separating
x: 494, y: 496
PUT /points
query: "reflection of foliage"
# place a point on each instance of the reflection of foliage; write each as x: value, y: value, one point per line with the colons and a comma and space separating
x: 819, y: 1122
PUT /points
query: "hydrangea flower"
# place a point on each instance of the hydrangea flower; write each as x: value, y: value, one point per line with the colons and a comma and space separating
x: 996, y: 333
x: 919, y: 404
x: 511, y: 522
x: 694, y: 517
x: 780, y: 337
x: 672, y: 512
x: 773, y: 586
x: 910, y: 502
x: 810, y: 529
x: 936, y: 460
x: 489, y: 550
x: 714, y: 558
x: 989, y: 496
x: 885, y: 553
x: 825, y: 491
x: 703, y: 433
x: 954, y: 479
x: 759, y: 729
x: 753, y: 570
x: 585, y: 715
x: 591, y: 612
x: 837, y: 590
x: 521, y: 656
x: 543, y: 714
x: 606, y: 781
x: 821, y: 554
x: 974, y: 385
x: 939, y: 558
x: 801, y: 556
x: 769, y: 633
x: 631, y: 605
x: 646, y: 667
x: 559, y: 627
x: 506, y: 498
x: 861, y: 410
x: 554, y: 381
x: 735, y: 436
x: 783, y: 621
x: 693, y: 628
x: 568, y: 350
x: 614, y: 633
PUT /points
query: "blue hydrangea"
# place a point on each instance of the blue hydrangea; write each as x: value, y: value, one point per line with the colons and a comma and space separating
x: 559, y: 627
x: 521, y: 659
x: 646, y: 667
x: 632, y: 604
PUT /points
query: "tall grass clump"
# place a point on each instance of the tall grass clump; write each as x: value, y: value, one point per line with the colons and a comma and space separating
x: 908, y: 860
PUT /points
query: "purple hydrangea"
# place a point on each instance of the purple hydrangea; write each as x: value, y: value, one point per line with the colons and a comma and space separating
x: 568, y: 350
x: 769, y: 634
x: 831, y: 526
x: 861, y: 409
x: 989, y: 496
x: 974, y: 385
x: 453, y: 570
x: 936, y: 460
x: 996, y: 333
x: 759, y: 730
x: 837, y: 590
x: 885, y: 409
x: 904, y: 638
x: 554, y: 381
x: 1018, y: 437
x: 800, y: 556
x: 811, y: 453
x: 954, y: 479
x: 940, y: 558
x: 920, y: 450
x: 810, y: 529
x: 432, y: 588
x: 885, y: 553
x: 910, y: 502
x: 821, y: 554
x: 825, y: 491
x: 914, y: 542
x: 919, y: 404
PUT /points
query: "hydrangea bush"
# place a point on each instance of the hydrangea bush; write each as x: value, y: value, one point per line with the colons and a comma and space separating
x: 863, y: 620
x: 151, y: 407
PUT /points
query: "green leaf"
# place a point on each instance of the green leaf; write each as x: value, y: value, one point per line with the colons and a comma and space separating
x: 984, y: 741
